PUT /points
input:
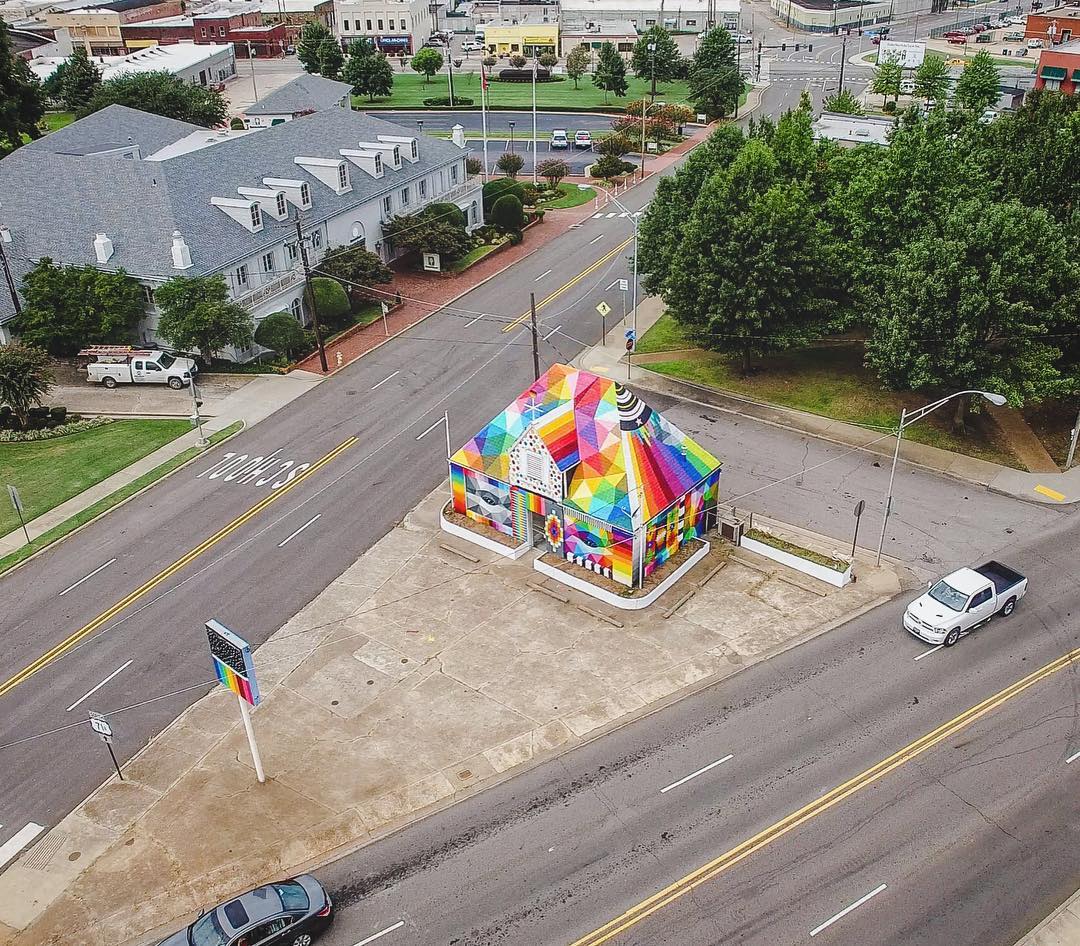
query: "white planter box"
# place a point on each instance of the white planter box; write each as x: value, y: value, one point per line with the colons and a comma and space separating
x: 618, y: 601
x: 485, y: 543
x: 813, y: 569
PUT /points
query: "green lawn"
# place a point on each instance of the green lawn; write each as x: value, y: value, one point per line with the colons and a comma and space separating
x: 48, y: 472
x: 473, y: 256
x: 54, y: 120
x: 410, y: 92
x: 118, y: 496
x: 572, y: 196
x: 829, y: 380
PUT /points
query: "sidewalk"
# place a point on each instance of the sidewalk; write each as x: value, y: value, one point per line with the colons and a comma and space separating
x: 428, y: 670
x: 1060, y: 928
x: 251, y: 403
x: 1051, y: 488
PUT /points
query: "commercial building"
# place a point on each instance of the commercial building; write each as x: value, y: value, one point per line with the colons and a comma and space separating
x: 305, y: 94
x: 1059, y: 69
x: 623, y: 34
x: 396, y: 27
x: 526, y: 36
x: 210, y: 65
x: 1054, y: 27
x: 97, y: 28
x: 826, y: 16
x: 293, y: 14
x: 238, y: 23
x: 678, y: 16
x: 158, y: 198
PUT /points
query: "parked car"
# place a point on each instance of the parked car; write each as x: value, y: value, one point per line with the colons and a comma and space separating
x: 1013, y: 37
x: 984, y: 38
x: 583, y: 139
x: 962, y: 601
x: 120, y: 364
x: 980, y: 27
x: 952, y: 33
x: 907, y: 86
x: 559, y: 139
x: 289, y: 913
x: 1022, y: 51
x: 1034, y: 44
x: 743, y: 40
x: 958, y: 40
x: 472, y: 47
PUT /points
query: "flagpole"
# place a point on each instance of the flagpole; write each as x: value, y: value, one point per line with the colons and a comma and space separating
x: 534, y: 114
x: 483, y: 114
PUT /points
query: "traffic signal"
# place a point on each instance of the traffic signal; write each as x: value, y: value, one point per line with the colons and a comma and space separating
x: 809, y: 47
x: 783, y: 46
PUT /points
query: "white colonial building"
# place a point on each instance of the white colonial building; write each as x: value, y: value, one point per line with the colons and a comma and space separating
x: 124, y: 189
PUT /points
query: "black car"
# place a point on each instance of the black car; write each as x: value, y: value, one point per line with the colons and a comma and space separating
x: 290, y: 913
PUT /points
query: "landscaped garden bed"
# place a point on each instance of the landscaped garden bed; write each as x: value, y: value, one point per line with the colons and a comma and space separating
x: 834, y: 571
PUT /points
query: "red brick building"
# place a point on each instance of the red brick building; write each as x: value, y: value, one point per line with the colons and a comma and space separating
x: 1059, y: 68
x: 238, y: 24
x: 1055, y: 26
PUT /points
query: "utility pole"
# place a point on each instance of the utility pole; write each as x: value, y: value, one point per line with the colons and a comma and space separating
x: 5, y: 237
x: 843, y: 59
x: 251, y: 60
x: 535, y: 342
x: 652, y: 69
x: 310, y: 290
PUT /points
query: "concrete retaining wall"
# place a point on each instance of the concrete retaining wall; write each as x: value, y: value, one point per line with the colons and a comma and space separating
x: 813, y: 569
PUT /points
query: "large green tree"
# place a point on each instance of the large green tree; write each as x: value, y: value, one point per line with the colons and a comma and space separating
x: 979, y: 85
x: 69, y: 307
x: 331, y: 59
x: 22, y: 101
x: 427, y: 62
x: 887, y: 78
x: 661, y: 64
x: 369, y: 73
x: 163, y: 94
x: 308, y: 49
x: 197, y: 313
x: 842, y: 103
x: 429, y: 232
x: 757, y: 269
x: 976, y: 303
x: 79, y: 80
x: 25, y: 379
x: 610, y: 74
x: 932, y: 79
x: 577, y: 62
x: 715, y: 83
x: 358, y: 270
x: 282, y: 333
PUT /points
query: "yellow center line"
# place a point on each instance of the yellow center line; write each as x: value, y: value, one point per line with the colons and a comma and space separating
x: 713, y: 868
x: 570, y: 284
x: 68, y: 643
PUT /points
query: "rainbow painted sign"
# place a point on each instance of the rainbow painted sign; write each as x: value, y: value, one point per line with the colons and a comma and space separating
x: 232, y: 662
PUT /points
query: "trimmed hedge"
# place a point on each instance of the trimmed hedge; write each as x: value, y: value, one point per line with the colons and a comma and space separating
x: 460, y: 101
x: 525, y: 75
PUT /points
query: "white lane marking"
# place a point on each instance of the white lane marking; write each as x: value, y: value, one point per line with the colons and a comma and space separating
x: 13, y: 845
x: 384, y: 380
x: 98, y: 687
x: 597, y: 216
x: 86, y: 577
x: 473, y: 321
x: 927, y: 653
x: 298, y: 531
x: 430, y: 429
x: 839, y: 916
x: 381, y: 933
x: 1072, y: 758
x: 686, y: 778
x: 594, y: 239
x: 552, y: 332
x: 542, y: 275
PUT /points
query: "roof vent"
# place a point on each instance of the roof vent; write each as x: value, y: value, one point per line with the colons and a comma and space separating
x: 103, y: 248
x: 181, y: 254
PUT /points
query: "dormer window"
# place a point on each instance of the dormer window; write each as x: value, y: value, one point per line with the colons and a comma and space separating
x: 305, y: 194
x: 415, y: 150
x: 378, y: 164
x: 256, y: 217
x: 282, y: 209
x: 343, y: 177
x: 397, y: 156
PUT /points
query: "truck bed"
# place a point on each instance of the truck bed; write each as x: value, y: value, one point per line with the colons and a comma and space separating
x: 1002, y: 576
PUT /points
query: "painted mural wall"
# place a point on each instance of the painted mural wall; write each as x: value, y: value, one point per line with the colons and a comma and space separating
x: 598, y: 547
x: 482, y: 499
x: 689, y: 518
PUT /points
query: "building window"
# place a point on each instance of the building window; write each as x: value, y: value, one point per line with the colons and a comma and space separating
x: 380, y: 26
x: 474, y: 216
x: 691, y: 22
x: 148, y: 292
x: 268, y: 262
x: 281, y: 208
x: 316, y: 239
x: 221, y: 31
x: 296, y: 307
x: 256, y: 217
x: 358, y: 236
x: 387, y: 205
x: 453, y: 173
x: 202, y: 32
x: 402, y: 22
x: 241, y: 275
x: 291, y: 252
x: 369, y: 25
x: 343, y: 177
x: 650, y: 22
x: 345, y: 24
x: 378, y: 163
x: 305, y: 194
x: 404, y: 197
x: 422, y: 187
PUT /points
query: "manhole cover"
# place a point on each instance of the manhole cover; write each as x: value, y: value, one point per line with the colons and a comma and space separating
x: 351, y: 393
x: 465, y: 774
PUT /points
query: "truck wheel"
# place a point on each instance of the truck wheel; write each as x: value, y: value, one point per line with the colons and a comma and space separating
x: 952, y: 637
x: 109, y: 382
x: 1010, y: 606
x: 175, y: 383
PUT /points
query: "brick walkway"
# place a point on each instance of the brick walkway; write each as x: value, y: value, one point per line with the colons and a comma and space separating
x: 425, y: 293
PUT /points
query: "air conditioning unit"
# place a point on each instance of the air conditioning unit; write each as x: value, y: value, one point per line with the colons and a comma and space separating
x: 732, y: 530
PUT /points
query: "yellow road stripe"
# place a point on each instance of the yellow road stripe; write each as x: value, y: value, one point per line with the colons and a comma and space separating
x: 708, y: 871
x: 65, y: 645
x: 568, y: 285
x: 1052, y: 493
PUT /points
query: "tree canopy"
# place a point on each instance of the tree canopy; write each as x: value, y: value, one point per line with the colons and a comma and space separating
x: 163, y: 94
x: 715, y: 83
x: 427, y: 62
x: 577, y: 62
x: 197, y: 313
x: 331, y: 58
x: 662, y: 63
x: 74, y: 81
x: 282, y: 333
x: 932, y: 79
x: 429, y: 232
x: 308, y: 49
x: 610, y: 74
x: 887, y: 78
x: 22, y: 101
x: 25, y: 378
x: 357, y: 269
x: 368, y: 72
x: 979, y: 85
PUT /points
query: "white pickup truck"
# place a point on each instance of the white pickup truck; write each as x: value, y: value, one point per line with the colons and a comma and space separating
x: 960, y: 602
x: 119, y: 364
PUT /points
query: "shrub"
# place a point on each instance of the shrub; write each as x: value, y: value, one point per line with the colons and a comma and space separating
x: 237, y: 124
x: 474, y: 166
x: 517, y: 61
x: 444, y: 210
x: 530, y: 194
x: 888, y: 108
x: 510, y: 163
x: 443, y: 101
x: 515, y: 237
x: 28, y: 436
x: 616, y: 145
x: 553, y: 170
x: 506, y: 213
x: 57, y: 416
x: 493, y: 190
x: 547, y: 60
x: 610, y: 166
x: 525, y: 75
x: 489, y: 61
x: 331, y: 301
x: 539, y: 215
x: 282, y: 333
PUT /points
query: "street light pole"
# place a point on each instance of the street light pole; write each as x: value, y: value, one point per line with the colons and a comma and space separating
x: 535, y: 63
x: 511, y: 124
x: 254, y: 89
x: 906, y: 420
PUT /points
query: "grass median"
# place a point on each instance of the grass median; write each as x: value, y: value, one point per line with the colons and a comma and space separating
x: 114, y: 498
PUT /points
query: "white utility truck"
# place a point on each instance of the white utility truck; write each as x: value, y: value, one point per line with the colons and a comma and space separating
x: 960, y: 602
x: 120, y: 364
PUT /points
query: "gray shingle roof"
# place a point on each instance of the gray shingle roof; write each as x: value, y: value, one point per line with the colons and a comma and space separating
x: 302, y: 93
x: 56, y: 199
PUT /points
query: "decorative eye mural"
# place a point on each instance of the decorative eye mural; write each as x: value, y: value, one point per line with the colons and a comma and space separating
x: 553, y: 529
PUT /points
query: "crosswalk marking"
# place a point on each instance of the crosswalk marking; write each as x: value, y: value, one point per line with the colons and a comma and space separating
x: 18, y: 841
x: 608, y: 216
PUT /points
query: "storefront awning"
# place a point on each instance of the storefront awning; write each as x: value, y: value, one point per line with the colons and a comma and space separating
x: 1052, y: 72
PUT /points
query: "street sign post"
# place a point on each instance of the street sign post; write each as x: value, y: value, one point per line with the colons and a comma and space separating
x: 604, y: 309
x: 631, y: 337
x: 860, y: 507
x: 624, y: 285
x: 103, y: 728
x: 232, y: 663
x: 16, y: 501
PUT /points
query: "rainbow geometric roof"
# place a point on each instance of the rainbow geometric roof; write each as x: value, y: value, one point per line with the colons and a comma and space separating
x: 623, y: 463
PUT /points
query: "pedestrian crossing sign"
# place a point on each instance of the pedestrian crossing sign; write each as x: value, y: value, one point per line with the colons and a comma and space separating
x: 603, y: 308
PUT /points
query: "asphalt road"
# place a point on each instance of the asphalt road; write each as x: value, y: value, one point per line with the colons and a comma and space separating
x: 974, y: 840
